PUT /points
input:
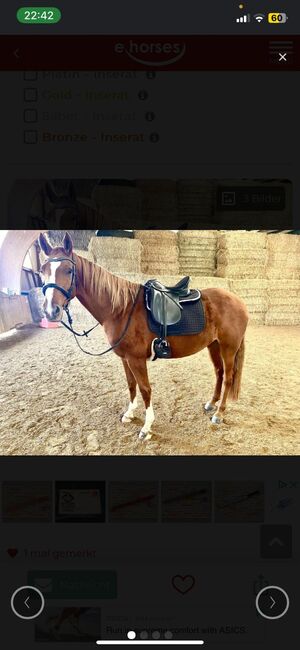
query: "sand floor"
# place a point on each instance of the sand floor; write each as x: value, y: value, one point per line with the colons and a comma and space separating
x: 57, y: 401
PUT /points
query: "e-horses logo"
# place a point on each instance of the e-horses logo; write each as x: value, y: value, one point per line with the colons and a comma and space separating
x: 152, y: 53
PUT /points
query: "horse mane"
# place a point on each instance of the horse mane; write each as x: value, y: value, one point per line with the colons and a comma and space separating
x: 122, y: 292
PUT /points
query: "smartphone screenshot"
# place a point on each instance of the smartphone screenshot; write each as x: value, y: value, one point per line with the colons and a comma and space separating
x: 149, y: 324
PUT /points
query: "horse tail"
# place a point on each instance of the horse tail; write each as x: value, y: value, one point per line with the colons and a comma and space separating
x: 237, y: 372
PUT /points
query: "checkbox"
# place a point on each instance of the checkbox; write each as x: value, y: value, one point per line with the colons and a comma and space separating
x: 30, y: 137
x: 30, y: 75
x: 30, y: 94
x: 30, y: 115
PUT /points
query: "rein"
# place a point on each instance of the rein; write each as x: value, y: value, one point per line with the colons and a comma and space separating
x: 68, y: 295
x: 112, y: 347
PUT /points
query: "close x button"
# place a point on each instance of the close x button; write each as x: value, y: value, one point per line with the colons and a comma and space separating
x: 27, y: 602
x: 272, y: 602
x: 281, y: 52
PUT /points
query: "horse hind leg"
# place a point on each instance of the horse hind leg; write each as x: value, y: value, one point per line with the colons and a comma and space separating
x: 215, y: 355
x: 233, y: 363
x: 131, y: 381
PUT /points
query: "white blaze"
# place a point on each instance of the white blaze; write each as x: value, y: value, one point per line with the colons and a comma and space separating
x: 52, y: 279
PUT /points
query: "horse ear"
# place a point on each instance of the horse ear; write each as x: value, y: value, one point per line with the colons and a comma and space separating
x: 68, y: 244
x: 44, y: 244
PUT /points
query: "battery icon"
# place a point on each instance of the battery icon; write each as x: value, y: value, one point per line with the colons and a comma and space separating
x: 275, y: 18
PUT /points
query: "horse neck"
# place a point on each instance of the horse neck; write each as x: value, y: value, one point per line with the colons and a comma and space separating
x: 92, y: 291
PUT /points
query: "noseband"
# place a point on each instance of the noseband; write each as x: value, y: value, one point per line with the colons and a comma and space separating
x: 53, y: 285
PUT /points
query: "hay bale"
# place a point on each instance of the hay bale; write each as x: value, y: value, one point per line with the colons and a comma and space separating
x: 116, y: 254
x: 156, y: 236
x: 240, y: 271
x: 283, y: 256
x: 254, y: 294
x: 241, y: 254
x: 232, y: 239
x: 283, y: 243
x: 283, y: 302
x: 276, y: 316
x: 159, y: 251
x: 197, y: 251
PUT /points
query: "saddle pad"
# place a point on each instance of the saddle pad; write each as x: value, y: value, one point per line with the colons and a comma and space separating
x: 192, y: 321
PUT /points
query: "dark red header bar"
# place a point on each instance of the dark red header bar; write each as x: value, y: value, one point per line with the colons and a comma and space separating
x: 149, y: 53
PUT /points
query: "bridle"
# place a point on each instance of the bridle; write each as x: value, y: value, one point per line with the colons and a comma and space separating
x: 53, y: 285
x: 68, y: 295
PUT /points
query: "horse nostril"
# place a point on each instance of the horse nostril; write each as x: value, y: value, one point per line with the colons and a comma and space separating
x: 56, y: 310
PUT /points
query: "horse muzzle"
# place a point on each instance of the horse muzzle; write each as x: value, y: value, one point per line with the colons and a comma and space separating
x: 53, y: 312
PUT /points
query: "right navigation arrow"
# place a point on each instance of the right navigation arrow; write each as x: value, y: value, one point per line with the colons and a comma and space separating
x: 273, y: 602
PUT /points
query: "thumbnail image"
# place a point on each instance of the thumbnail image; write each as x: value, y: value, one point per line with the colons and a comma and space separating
x: 68, y: 624
x: 133, y: 502
x: 239, y: 501
x: 186, y: 501
x: 80, y: 501
x: 26, y: 501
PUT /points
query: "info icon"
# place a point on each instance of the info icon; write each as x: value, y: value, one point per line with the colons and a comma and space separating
x: 150, y: 116
x: 142, y: 95
x: 154, y: 137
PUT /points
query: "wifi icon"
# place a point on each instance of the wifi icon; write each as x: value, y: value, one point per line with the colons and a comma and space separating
x: 259, y: 17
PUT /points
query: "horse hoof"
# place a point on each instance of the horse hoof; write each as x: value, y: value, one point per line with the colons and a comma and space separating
x: 145, y: 435
x: 208, y: 407
x: 216, y: 420
x: 125, y: 419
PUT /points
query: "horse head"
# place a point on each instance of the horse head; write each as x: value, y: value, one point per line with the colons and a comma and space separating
x: 59, y: 276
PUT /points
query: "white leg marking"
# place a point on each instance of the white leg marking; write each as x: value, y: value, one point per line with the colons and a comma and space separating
x: 209, y: 406
x: 216, y: 419
x: 145, y: 433
x: 129, y: 415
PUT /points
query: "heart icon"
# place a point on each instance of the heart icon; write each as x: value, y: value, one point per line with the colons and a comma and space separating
x: 183, y: 584
x: 12, y: 552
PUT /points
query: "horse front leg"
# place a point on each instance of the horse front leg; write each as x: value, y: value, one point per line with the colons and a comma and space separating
x: 131, y: 381
x: 139, y: 369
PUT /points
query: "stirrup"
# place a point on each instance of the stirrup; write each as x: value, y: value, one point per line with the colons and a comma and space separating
x: 161, y: 349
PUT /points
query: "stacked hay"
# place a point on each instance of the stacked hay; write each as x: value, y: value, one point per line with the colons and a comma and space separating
x: 241, y: 254
x: 195, y: 198
x: 196, y: 282
x: 197, y: 252
x: 283, y: 256
x: 254, y: 293
x: 283, y: 302
x: 160, y: 254
x: 116, y: 254
x: 159, y: 201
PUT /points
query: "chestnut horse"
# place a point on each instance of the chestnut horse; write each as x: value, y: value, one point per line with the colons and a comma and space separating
x: 110, y: 300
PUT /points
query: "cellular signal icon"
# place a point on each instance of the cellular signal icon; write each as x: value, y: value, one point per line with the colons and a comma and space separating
x: 243, y: 19
x: 259, y: 17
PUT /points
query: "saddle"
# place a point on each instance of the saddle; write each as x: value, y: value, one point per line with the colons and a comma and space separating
x: 165, y: 305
